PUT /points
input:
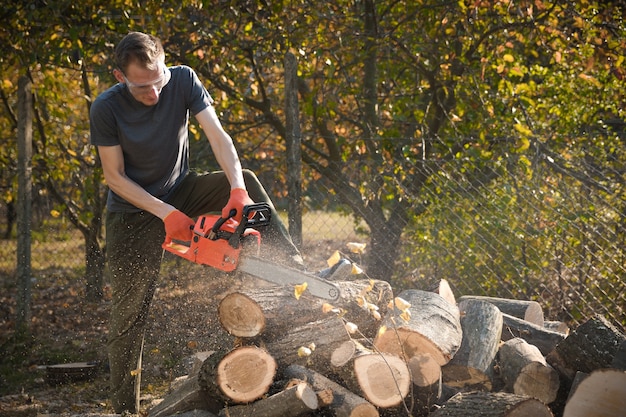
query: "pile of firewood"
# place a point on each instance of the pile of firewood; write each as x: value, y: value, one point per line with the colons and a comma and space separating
x: 417, y: 353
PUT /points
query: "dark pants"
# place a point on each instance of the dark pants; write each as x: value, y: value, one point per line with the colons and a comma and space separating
x: 134, y: 256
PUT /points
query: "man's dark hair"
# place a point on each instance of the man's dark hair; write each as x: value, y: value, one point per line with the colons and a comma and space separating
x: 143, y: 49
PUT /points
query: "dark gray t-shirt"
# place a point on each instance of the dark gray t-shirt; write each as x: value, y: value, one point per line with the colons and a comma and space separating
x: 154, y: 139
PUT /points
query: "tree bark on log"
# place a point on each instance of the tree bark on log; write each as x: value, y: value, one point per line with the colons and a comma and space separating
x: 492, y: 404
x: 186, y: 396
x: 472, y: 367
x: 309, y: 344
x: 344, y: 404
x: 591, y: 346
x: 429, y: 324
x: 295, y: 401
x: 619, y: 359
x: 527, y: 310
x: 556, y: 326
x: 525, y: 371
x: 281, y: 310
x: 541, y: 337
x: 382, y: 378
x: 601, y: 394
x: 242, y: 375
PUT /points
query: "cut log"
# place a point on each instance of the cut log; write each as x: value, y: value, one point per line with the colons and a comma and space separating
x: 242, y: 375
x: 525, y: 371
x: 241, y: 316
x: 281, y: 310
x: 591, y: 346
x: 186, y: 396
x: 427, y: 324
x: 619, y: 359
x: 427, y: 384
x: 382, y: 378
x: 294, y: 401
x: 344, y: 403
x: 310, y: 344
x: 601, y: 394
x: 556, y: 326
x: 492, y: 404
x: 444, y: 290
x: 541, y: 337
x: 527, y: 310
x: 472, y: 367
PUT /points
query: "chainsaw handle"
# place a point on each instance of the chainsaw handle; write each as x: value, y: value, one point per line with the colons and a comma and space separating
x: 221, y: 221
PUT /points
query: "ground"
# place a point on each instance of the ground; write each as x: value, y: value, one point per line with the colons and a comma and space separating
x: 66, y: 328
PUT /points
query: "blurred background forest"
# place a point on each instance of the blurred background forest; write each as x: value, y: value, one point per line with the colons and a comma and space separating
x: 481, y: 142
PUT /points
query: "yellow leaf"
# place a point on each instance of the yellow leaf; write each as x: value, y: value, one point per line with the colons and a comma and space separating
x: 522, y: 129
x: 406, y: 316
x: 356, y: 270
x: 401, y: 304
x: 508, y: 58
x: 355, y: 247
x: 135, y: 372
x: 7, y: 84
x: 360, y: 301
x: 327, y: 308
x: 55, y: 213
x: 304, y: 351
x: 382, y: 330
x: 312, y: 346
x: 299, y: 289
x: 351, y: 328
x: 334, y: 258
x: 71, y: 152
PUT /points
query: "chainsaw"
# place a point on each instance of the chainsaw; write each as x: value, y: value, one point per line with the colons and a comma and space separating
x: 218, y: 243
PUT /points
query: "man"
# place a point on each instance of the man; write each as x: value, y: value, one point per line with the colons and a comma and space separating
x: 140, y: 127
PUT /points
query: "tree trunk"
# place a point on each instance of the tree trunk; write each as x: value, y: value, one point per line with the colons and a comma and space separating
x: 344, y: 404
x: 295, y: 401
x: 492, y: 404
x: 473, y: 364
x: 525, y: 371
x: 429, y: 324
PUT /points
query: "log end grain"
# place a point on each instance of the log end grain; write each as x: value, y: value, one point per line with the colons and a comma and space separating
x: 407, y: 343
x: 602, y: 393
x: 384, y: 379
x: 241, y: 316
x: 246, y: 374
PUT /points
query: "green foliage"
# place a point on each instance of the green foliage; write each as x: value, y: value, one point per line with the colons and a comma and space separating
x: 408, y: 110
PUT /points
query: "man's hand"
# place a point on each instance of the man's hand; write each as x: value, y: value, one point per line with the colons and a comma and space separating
x: 178, y: 226
x: 238, y: 199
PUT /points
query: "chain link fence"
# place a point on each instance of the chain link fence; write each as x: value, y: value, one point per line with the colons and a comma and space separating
x: 537, y: 234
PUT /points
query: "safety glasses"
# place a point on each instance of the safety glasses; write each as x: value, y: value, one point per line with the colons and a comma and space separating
x: 158, y: 84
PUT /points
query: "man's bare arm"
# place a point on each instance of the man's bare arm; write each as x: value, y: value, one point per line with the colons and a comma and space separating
x: 112, y: 160
x: 223, y: 147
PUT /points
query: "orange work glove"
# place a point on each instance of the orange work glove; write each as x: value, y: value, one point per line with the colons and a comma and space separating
x: 178, y: 226
x: 238, y: 199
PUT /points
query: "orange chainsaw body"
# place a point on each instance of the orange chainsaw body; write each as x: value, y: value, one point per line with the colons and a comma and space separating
x: 216, y: 241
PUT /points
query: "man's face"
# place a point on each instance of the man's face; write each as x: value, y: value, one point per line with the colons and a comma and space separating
x: 145, y: 85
